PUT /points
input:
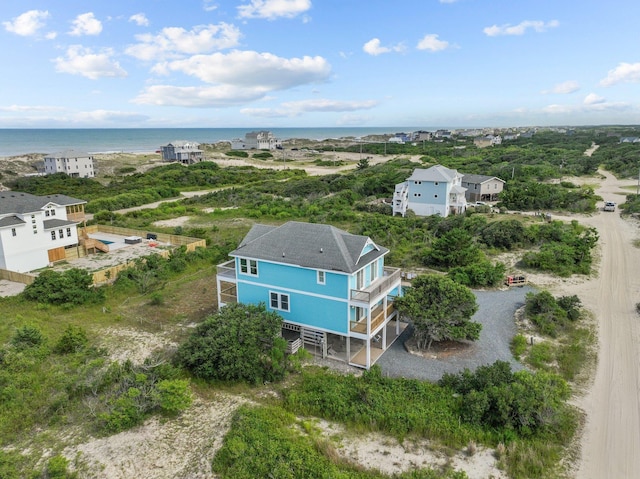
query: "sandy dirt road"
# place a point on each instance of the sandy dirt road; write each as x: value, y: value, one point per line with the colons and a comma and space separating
x: 611, y: 439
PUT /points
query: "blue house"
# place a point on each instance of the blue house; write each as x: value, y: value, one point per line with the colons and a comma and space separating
x: 435, y: 191
x: 331, y: 287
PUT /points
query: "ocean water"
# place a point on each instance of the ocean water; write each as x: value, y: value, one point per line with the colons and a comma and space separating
x: 141, y: 140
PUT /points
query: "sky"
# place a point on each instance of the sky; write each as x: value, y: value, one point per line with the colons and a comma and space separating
x: 318, y: 63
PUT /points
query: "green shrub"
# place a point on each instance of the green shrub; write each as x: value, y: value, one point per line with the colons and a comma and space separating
x: 73, y: 287
x: 73, y: 340
x: 57, y: 468
x: 27, y: 337
x: 518, y: 345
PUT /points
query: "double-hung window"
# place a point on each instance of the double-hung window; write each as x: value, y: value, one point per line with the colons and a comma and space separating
x: 249, y: 266
x: 279, y: 301
x: 321, y: 277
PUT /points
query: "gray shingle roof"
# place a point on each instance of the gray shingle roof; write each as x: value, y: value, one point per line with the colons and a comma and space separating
x: 477, y: 179
x: 435, y: 173
x: 309, y: 245
x: 11, y: 221
x: 21, y: 203
x: 56, y: 223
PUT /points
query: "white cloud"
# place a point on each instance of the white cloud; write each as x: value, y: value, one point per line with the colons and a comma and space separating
x: 30, y: 108
x: 173, y: 42
x: 86, y: 24
x: 209, y: 6
x: 253, y: 69
x: 28, y: 23
x: 521, y: 28
x: 430, y: 42
x: 591, y: 104
x: 83, y: 61
x: 566, y: 87
x: 139, y: 19
x: 272, y: 9
x: 374, y: 47
x: 236, y: 78
x: 297, y: 108
x: 198, y: 97
x: 623, y: 73
x: 107, y: 116
x: 593, y: 99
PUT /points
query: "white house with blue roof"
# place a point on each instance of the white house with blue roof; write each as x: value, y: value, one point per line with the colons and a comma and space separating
x: 433, y: 191
x: 37, y: 230
x: 331, y: 287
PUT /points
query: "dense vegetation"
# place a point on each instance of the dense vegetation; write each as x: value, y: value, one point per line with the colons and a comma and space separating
x: 439, y: 310
x: 53, y: 376
x: 238, y: 343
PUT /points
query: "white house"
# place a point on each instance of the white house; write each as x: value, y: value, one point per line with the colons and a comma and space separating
x: 257, y: 140
x: 185, y: 152
x: 435, y: 191
x: 37, y: 230
x: 73, y: 163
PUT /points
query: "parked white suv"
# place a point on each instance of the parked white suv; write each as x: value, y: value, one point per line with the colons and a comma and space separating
x: 609, y: 206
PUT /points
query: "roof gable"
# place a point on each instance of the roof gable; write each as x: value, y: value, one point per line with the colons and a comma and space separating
x: 435, y: 173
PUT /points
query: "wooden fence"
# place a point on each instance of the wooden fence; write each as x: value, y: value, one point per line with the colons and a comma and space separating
x: 23, y: 278
x: 110, y: 274
x: 177, y: 240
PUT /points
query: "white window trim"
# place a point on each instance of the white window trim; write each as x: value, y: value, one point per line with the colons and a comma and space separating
x: 321, y: 277
x: 279, y: 302
x: 248, y: 266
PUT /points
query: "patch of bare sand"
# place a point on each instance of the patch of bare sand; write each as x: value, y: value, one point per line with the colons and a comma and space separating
x: 134, y: 345
x: 378, y: 451
x: 159, y: 449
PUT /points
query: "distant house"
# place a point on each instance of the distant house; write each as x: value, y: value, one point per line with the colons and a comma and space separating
x: 185, y: 152
x: 257, y: 140
x: 629, y: 139
x: 488, y: 140
x: 482, y: 188
x: 331, y: 287
x: 435, y: 191
x: 72, y: 163
x: 37, y: 230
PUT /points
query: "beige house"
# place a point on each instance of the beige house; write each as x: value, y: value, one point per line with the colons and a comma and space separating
x: 482, y: 187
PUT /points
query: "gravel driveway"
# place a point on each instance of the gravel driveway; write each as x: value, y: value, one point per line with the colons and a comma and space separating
x: 495, y: 313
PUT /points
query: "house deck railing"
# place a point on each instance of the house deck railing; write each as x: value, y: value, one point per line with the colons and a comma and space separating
x: 378, y: 287
x: 227, y: 270
x: 378, y: 317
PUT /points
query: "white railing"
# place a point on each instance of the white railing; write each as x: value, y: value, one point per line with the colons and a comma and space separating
x: 378, y: 287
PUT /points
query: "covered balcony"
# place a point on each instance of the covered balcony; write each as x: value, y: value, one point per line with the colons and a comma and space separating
x: 379, y: 287
x: 227, y: 283
x: 227, y: 271
x: 378, y: 316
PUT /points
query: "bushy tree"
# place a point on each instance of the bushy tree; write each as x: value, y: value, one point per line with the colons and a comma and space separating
x: 239, y: 343
x: 27, y: 337
x: 73, y: 339
x: 439, y: 309
x: 479, y: 274
x: 454, y: 248
x: 503, y: 234
x: 74, y: 286
x: 522, y: 401
x: 550, y: 314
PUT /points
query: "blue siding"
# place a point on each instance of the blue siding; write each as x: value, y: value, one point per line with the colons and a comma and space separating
x: 428, y: 191
x: 300, y: 279
x: 321, y: 313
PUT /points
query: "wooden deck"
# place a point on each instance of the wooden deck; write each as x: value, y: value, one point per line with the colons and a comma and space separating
x: 360, y: 357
